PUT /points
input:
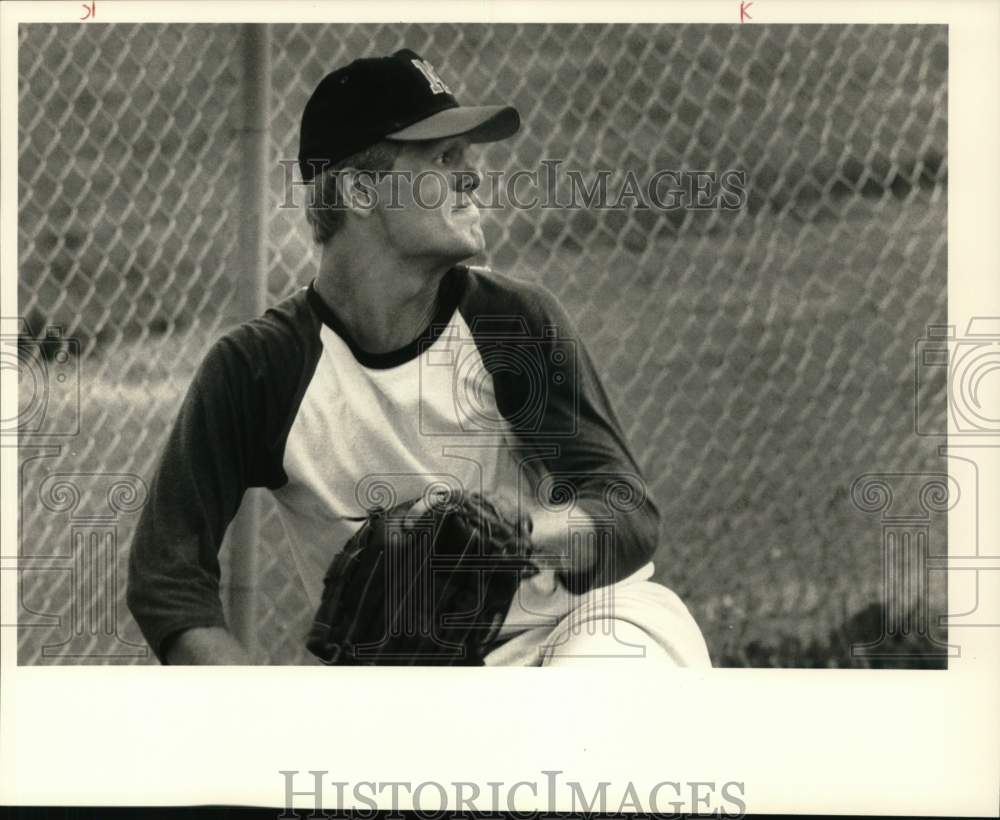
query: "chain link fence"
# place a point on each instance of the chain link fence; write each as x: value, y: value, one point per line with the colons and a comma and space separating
x: 760, y: 359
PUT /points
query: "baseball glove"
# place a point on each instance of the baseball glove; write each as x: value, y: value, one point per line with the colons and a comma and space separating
x: 423, y: 583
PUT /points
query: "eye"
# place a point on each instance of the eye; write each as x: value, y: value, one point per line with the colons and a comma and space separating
x: 447, y: 157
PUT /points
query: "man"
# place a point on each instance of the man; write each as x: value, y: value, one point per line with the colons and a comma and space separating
x: 398, y: 371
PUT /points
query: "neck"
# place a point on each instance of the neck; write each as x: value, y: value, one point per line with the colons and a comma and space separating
x: 384, y: 303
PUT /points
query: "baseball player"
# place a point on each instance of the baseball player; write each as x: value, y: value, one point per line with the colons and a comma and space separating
x: 399, y: 371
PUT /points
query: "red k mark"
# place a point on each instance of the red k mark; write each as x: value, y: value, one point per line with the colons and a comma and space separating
x: 745, y: 10
x: 90, y: 9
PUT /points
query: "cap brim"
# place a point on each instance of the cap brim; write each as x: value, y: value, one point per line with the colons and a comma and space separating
x: 484, y: 123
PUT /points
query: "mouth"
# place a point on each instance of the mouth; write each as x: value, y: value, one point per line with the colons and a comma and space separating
x: 463, y: 202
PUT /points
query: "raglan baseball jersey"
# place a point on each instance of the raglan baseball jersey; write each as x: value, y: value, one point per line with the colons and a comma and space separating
x: 498, y: 394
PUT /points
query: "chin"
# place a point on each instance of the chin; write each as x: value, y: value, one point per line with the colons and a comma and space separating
x: 464, y: 256
x: 454, y: 246
x: 469, y: 246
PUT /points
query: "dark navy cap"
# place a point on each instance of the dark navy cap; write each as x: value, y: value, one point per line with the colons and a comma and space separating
x: 400, y: 97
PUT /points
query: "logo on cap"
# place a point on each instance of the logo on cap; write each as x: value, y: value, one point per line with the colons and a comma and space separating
x: 433, y: 80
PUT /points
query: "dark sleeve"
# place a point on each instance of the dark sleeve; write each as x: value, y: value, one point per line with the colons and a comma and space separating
x: 229, y: 436
x: 206, y: 465
x: 575, y: 433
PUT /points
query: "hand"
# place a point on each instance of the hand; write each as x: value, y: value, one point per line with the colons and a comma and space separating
x: 552, y: 545
x: 513, y: 516
x: 209, y: 645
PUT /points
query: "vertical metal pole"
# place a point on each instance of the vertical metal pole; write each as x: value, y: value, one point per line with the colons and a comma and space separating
x: 251, y: 294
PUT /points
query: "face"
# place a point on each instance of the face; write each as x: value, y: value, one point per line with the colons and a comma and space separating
x: 425, y: 208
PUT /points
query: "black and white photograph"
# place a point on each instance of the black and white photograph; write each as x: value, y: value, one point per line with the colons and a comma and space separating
x: 618, y: 346
x: 665, y: 309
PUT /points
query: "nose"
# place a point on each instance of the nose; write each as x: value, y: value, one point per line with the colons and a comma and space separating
x: 467, y: 181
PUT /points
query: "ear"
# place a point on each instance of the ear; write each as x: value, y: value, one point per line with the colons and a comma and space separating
x: 357, y: 189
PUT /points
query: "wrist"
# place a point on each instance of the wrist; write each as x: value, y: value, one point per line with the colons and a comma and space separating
x: 563, y: 542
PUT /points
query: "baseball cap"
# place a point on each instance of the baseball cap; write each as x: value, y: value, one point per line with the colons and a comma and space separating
x: 400, y: 97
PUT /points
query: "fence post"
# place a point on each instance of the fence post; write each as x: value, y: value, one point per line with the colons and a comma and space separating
x: 244, y: 532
